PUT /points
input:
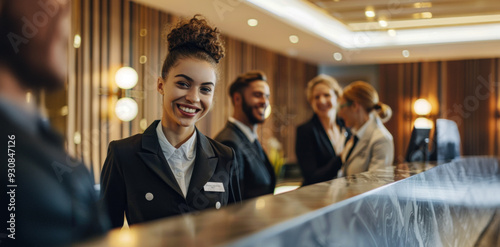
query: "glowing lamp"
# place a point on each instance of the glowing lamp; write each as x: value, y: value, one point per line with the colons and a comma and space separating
x: 126, y: 78
x: 422, y: 107
x: 423, y: 123
x: 126, y: 109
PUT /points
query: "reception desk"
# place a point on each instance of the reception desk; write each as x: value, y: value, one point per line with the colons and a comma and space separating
x: 412, y: 204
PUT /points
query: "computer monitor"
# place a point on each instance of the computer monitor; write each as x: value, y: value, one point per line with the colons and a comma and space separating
x: 418, y: 148
x: 446, y: 142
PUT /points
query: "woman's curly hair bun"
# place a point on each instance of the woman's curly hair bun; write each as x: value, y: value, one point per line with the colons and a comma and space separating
x: 197, y: 33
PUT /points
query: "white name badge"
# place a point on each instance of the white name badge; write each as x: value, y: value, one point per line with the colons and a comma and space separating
x: 214, y: 187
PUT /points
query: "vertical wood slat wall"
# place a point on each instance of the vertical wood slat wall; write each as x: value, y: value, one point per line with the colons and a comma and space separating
x: 465, y: 91
x: 116, y: 33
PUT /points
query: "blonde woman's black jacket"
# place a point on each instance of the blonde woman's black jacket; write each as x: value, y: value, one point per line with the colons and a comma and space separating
x: 315, y: 154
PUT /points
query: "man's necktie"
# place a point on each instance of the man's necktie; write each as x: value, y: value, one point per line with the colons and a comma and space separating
x: 257, y: 145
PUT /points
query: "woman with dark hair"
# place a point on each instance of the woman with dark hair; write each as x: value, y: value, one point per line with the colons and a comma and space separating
x: 172, y: 168
x: 372, y: 146
x: 321, y: 139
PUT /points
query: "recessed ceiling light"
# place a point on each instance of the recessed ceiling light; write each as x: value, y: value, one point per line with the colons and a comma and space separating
x: 252, y: 22
x: 294, y: 39
x: 337, y: 56
x: 422, y: 5
x: 382, y: 23
x: 423, y: 15
x: 370, y: 12
x: 426, y: 15
x: 406, y: 53
x: 391, y: 32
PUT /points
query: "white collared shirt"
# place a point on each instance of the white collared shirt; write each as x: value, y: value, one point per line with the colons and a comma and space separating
x: 249, y: 133
x: 181, y: 160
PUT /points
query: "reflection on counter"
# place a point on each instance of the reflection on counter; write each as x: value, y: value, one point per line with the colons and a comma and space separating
x: 453, y: 204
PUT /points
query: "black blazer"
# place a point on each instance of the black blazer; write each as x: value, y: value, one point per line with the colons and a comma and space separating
x: 256, y: 175
x: 315, y: 154
x: 53, y: 197
x: 136, y: 179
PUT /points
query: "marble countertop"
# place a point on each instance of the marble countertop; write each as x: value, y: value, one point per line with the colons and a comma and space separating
x: 411, y: 204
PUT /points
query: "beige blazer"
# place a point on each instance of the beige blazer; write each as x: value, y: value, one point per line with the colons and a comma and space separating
x: 375, y: 149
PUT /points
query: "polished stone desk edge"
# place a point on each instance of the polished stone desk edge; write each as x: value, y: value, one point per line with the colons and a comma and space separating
x: 403, y: 205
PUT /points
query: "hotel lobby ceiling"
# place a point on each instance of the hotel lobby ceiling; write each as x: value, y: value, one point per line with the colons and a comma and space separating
x: 410, y: 14
x: 339, y: 32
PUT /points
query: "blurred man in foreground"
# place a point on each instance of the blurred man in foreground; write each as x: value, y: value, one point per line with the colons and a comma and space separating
x: 48, y: 198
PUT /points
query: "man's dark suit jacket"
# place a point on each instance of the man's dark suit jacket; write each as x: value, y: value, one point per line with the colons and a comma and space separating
x: 256, y: 175
x: 136, y: 179
x: 51, y: 196
x: 314, y: 151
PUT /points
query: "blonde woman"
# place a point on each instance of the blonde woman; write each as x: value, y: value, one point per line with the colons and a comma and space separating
x: 372, y: 145
x: 320, y: 141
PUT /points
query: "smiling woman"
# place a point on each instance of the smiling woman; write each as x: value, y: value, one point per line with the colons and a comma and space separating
x: 172, y: 168
x: 320, y: 140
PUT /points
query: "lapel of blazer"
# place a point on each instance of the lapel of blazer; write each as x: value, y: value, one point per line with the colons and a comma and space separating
x: 364, y: 141
x: 249, y: 150
x: 322, y: 136
x: 204, y: 165
x: 153, y: 157
x: 247, y: 147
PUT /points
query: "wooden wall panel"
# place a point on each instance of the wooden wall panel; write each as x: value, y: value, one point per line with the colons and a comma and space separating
x: 464, y: 91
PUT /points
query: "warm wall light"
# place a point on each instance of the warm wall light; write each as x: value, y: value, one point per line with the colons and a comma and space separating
x: 383, y: 22
x: 126, y: 109
x: 423, y: 123
x: 294, y: 39
x: 77, y: 41
x: 422, y: 107
x: 126, y: 77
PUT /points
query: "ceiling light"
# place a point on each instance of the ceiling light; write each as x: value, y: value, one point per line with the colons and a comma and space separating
x: 382, y: 23
x: 423, y: 123
x: 294, y: 39
x: 423, y: 15
x: 369, y: 12
x: 391, y: 32
x: 252, y: 22
x: 422, y: 5
x: 406, y: 53
x: 426, y: 15
x: 337, y: 56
